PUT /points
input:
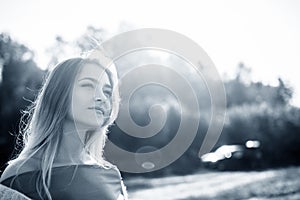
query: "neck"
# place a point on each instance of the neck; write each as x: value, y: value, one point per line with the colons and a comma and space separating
x: 71, y: 148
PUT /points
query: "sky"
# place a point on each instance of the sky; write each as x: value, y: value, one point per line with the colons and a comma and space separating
x: 264, y: 35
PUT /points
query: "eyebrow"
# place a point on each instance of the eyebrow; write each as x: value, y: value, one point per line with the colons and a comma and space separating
x: 88, y: 78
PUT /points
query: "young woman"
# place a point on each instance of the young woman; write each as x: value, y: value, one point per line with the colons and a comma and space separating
x: 65, y: 133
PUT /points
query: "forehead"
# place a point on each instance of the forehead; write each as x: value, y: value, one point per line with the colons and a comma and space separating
x: 92, y: 71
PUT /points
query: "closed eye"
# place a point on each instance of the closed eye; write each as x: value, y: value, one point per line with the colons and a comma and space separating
x: 87, y: 82
x: 90, y: 85
x: 107, y: 92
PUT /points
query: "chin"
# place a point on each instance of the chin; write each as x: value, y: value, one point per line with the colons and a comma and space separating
x: 90, y: 124
x: 95, y: 125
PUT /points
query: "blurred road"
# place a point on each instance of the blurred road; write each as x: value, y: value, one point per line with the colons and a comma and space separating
x: 260, y: 185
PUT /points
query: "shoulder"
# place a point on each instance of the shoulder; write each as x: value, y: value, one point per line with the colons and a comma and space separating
x: 94, y: 180
x: 10, y: 170
x: 98, y: 171
x: 18, y: 167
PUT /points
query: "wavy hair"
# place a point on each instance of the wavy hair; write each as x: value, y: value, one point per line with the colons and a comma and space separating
x: 42, y: 123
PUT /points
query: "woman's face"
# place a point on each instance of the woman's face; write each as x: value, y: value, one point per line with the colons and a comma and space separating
x: 91, y: 98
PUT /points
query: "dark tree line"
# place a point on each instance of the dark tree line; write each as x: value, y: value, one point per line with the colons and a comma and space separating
x: 20, y: 80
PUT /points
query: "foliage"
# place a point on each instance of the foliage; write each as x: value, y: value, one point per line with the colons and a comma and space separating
x: 277, y: 128
x: 19, y: 84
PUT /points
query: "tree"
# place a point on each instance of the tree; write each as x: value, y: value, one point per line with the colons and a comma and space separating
x: 20, y: 81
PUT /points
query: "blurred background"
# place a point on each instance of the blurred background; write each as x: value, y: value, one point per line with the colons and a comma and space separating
x: 255, y: 47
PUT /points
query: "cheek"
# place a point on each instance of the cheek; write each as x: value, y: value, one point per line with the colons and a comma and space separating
x: 81, y: 98
x: 109, y: 104
x: 79, y: 105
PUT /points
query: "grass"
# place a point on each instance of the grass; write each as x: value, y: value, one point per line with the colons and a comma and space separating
x: 270, y: 184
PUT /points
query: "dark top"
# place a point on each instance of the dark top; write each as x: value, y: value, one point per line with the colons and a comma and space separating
x: 73, y: 182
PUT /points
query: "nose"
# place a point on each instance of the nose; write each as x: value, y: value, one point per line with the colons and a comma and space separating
x: 99, y: 96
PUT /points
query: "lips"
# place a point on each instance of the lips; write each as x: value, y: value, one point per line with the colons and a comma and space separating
x: 98, y: 110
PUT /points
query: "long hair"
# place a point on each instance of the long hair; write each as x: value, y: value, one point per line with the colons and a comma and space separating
x: 46, y: 116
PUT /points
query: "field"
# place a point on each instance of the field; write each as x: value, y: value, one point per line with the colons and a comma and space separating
x: 256, y: 185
